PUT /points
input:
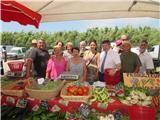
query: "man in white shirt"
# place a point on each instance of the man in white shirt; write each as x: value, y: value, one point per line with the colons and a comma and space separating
x: 145, y: 57
x: 108, y: 59
x: 3, y: 58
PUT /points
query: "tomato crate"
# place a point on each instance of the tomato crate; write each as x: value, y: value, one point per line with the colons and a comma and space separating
x: 74, y: 98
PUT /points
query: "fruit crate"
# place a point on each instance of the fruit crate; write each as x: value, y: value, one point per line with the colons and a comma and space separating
x: 74, y: 98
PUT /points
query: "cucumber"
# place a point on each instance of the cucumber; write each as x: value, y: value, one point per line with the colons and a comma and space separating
x: 4, y: 113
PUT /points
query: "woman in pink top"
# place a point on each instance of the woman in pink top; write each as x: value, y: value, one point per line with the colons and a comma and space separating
x: 56, y: 65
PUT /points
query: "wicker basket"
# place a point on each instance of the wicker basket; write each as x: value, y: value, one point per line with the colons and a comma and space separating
x: 44, y: 94
x: 73, y: 98
x: 7, y: 90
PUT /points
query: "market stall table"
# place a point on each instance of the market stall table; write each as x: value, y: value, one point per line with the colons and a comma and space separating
x: 58, y: 104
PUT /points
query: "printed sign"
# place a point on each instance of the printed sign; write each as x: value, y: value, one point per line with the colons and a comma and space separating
x: 142, y: 80
x: 84, y: 110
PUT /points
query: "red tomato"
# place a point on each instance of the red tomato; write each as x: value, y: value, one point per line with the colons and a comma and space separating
x: 85, y: 90
x: 80, y: 91
x: 69, y: 94
x: 70, y: 89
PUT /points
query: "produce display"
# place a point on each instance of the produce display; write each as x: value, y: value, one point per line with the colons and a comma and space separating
x: 19, y: 86
x: 13, y: 113
x: 75, y: 90
x: 12, y: 84
x: 156, y: 101
x: 99, y: 94
x: 116, y: 115
x: 46, y: 91
x: 5, y: 81
x: 137, y: 98
x: 47, y: 85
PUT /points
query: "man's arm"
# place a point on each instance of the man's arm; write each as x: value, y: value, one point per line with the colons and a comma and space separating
x: 5, y: 56
x: 149, y: 65
x: 138, y: 64
x: 28, y: 67
x: 113, y: 71
x: 29, y: 62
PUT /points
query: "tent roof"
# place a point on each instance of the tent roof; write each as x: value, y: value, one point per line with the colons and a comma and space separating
x: 62, y: 10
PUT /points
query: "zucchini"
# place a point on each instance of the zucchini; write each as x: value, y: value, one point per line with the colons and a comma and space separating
x: 5, y: 113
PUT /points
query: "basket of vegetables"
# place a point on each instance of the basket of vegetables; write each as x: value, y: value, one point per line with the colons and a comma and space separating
x: 76, y: 91
x: 15, y: 88
x: 46, y: 91
x: 100, y: 94
x: 137, y: 97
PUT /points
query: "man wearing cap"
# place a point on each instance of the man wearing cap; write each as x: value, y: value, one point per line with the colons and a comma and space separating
x: 34, y: 45
x: 119, y: 43
x: 130, y: 61
x: 39, y: 57
x: 27, y: 61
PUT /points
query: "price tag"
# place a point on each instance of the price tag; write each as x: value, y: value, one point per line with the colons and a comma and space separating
x: 84, y: 110
x: 40, y: 81
x: 44, y: 105
x: 22, y: 103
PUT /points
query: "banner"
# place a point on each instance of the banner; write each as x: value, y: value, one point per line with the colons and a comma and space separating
x: 142, y: 80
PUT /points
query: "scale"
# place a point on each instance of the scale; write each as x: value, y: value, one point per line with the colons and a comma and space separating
x: 68, y: 76
x: 16, y: 69
x: 15, y: 74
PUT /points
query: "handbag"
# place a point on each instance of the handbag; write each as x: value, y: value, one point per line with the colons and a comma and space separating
x: 91, y: 59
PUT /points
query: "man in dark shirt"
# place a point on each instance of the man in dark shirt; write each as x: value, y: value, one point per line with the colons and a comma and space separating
x: 130, y: 61
x: 39, y: 57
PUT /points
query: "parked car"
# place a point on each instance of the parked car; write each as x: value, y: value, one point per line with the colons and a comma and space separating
x: 16, y: 53
x: 8, y: 47
x: 135, y: 50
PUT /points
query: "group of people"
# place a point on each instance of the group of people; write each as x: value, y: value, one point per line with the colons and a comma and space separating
x: 89, y: 64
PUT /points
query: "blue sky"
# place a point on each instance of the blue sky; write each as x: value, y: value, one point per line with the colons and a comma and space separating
x: 81, y: 25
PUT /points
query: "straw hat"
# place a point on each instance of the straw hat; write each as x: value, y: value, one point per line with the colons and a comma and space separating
x: 34, y: 41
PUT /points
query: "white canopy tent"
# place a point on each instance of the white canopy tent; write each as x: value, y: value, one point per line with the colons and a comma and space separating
x: 63, y: 10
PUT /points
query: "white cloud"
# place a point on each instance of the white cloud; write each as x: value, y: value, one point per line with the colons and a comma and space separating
x: 124, y: 22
